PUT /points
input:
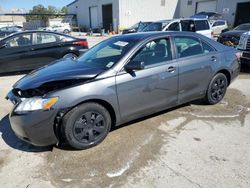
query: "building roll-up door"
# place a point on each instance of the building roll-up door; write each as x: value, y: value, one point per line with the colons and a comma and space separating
x: 206, y: 6
x: 93, y: 14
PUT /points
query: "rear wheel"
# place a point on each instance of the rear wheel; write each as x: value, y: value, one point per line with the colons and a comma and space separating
x: 216, y: 89
x: 86, y: 125
x: 70, y: 55
x: 66, y: 31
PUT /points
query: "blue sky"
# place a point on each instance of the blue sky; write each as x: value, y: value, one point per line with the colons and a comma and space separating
x: 28, y: 4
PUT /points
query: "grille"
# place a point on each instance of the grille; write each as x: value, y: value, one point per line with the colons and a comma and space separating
x: 248, y: 44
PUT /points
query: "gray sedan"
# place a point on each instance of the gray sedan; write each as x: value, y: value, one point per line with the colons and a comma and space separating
x: 119, y: 80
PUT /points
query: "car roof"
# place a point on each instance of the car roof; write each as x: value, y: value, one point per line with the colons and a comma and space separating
x: 174, y: 20
x: 35, y: 31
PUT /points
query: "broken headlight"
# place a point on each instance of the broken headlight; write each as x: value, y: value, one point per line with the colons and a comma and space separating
x: 36, y: 103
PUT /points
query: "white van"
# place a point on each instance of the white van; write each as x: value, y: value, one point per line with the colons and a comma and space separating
x: 201, y: 26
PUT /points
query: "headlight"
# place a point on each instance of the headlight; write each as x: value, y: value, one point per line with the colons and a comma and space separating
x: 32, y: 104
x: 243, y: 42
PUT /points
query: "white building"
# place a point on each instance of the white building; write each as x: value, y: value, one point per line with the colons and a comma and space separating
x: 111, y: 14
x: 114, y: 14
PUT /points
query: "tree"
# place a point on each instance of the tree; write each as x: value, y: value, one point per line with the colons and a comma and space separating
x: 40, y: 10
x: 64, y: 10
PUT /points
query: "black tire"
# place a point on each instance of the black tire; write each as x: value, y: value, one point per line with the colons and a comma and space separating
x: 66, y: 31
x: 86, y: 125
x: 70, y: 55
x: 217, y: 89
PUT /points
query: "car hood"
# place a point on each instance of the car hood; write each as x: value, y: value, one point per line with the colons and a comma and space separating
x: 58, y: 72
x: 233, y: 33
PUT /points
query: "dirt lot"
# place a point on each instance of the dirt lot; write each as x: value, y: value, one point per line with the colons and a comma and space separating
x: 190, y: 146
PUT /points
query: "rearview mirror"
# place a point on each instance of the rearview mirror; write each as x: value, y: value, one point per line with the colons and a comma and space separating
x: 134, y: 65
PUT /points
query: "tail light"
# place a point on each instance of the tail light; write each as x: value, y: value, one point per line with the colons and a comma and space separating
x: 238, y: 56
x: 81, y: 43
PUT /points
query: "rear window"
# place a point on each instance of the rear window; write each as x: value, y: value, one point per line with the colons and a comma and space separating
x: 201, y: 25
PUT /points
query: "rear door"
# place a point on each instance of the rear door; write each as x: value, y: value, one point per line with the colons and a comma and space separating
x: 48, y: 47
x: 203, y: 27
x: 153, y: 88
x: 195, y: 58
x: 14, y: 57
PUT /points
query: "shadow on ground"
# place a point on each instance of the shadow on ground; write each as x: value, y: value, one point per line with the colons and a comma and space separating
x: 245, y: 69
x: 13, y: 141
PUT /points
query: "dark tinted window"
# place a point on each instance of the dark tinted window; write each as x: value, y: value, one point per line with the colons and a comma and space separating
x: 201, y: 25
x: 157, y: 26
x: 207, y: 48
x: 174, y: 27
x: 155, y: 52
x: 188, y: 46
x: 187, y: 25
x: 218, y: 23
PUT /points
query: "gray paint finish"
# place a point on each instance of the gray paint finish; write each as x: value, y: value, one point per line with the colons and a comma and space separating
x: 136, y: 94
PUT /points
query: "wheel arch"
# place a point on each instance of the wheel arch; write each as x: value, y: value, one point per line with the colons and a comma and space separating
x: 61, y: 114
x: 227, y: 74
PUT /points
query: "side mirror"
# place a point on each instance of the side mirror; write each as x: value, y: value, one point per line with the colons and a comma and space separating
x: 134, y: 65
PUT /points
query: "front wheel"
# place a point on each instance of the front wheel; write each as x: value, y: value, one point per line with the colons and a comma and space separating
x: 86, y: 125
x: 216, y: 89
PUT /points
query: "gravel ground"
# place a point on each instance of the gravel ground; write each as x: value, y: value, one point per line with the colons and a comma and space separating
x: 193, y: 145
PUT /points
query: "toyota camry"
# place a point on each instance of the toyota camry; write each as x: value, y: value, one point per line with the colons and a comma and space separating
x: 123, y: 78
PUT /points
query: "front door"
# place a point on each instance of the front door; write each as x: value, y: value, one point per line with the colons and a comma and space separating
x: 15, y: 55
x: 153, y: 88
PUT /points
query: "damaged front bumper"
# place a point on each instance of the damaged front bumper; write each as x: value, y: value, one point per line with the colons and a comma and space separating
x: 36, y: 127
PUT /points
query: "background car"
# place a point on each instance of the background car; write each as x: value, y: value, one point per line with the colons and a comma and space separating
x: 63, y: 28
x: 200, y: 26
x: 29, y: 50
x: 244, y: 48
x: 232, y: 38
x: 5, y: 31
x: 136, y: 28
x: 218, y: 26
x: 208, y: 15
x: 121, y: 79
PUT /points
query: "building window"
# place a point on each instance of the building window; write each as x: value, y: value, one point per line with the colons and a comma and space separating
x: 190, y: 2
x: 163, y: 3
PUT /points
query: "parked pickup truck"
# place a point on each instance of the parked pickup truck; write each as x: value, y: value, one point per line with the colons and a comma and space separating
x: 244, y: 48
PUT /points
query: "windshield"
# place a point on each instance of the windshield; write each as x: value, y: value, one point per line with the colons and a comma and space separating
x: 244, y: 27
x: 143, y: 25
x: 106, y: 54
x: 157, y: 26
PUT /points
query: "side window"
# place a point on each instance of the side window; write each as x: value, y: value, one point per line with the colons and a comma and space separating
x: 43, y: 38
x: 207, y: 48
x: 188, y: 46
x: 174, y: 27
x: 154, y: 52
x: 187, y: 25
x: 215, y: 24
x: 20, y: 40
x: 201, y: 25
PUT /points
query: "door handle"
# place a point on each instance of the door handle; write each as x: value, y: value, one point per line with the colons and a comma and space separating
x: 213, y: 58
x: 171, y: 69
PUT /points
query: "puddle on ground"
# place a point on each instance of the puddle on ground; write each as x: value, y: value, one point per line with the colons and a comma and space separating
x: 132, y: 147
